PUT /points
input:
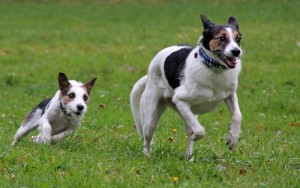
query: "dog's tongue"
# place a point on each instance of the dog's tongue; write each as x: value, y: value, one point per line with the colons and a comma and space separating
x: 231, y: 62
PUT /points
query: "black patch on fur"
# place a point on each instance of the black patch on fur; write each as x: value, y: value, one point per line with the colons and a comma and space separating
x: 208, y: 35
x: 42, y: 105
x: 174, y: 65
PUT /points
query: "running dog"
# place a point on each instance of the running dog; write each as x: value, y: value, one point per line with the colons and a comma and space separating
x: 60, y: 116
x: 191, y: 80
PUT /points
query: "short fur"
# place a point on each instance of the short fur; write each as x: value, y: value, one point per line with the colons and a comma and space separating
x: 60, y: 116
x: 178, y: 77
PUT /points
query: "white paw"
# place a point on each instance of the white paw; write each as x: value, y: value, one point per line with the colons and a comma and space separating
x: 147, y: 149
x: 36, y: 139
x: 13, y: 143
x: 39, y: 139
x: 232, y: 140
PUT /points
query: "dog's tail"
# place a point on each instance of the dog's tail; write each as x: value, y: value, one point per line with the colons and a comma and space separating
x: 28, y: 125
x: 31, y: 121
x: 135, y: 99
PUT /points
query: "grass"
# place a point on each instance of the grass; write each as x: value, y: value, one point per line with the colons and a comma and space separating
x: 115, y: 41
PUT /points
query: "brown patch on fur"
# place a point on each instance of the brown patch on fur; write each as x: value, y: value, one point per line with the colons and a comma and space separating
x: 216, y: 44
x: 85, y: 95
x: 237, y: 37
x: 67, y: 98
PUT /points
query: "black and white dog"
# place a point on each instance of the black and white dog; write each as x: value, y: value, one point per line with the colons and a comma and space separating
x: 60, y: 116
x: 191, y: 81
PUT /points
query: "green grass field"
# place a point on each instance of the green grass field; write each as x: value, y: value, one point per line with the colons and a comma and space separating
x: 115, y: 41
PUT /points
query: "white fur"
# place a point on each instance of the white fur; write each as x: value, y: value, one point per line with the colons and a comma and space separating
x: 54, y: 124
x: 232, y: 44
x: 201, y: 90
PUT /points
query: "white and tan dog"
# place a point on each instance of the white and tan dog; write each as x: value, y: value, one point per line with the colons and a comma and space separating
x: 191, y: 81
x: 60, y: 116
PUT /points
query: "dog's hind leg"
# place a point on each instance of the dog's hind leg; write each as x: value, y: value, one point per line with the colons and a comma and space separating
x: 135, y: 100
x: 29, y: 124
x: 151, y: 109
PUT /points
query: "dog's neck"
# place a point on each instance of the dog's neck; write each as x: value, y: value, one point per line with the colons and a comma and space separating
x: 209, y: 59
x: 64, y: 110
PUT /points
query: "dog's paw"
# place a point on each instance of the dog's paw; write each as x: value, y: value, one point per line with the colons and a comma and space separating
x: 13, y: 143
x: 147, y: 148
x: 39, y: 140
x: 36, y: 139
x: 147, y: 151
x: 232, y: 140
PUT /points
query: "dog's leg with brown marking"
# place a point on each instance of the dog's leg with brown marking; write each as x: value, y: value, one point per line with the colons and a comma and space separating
x: 190, y: 143
x: 235, y: 125
x: 195, y: 131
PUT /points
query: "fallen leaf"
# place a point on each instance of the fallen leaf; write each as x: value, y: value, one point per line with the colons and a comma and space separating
x: 102, y: 106
x: 242, y: 171
x: 294, y: 124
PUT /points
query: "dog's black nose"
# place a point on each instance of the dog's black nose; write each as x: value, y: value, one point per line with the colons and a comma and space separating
x: 235, y: 52
x: 80, y: 107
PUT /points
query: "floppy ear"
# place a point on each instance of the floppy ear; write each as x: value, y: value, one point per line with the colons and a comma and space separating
x: 64, y: 83
x: 206, y: 23
x: 90, y: 85
x: 232, y: 21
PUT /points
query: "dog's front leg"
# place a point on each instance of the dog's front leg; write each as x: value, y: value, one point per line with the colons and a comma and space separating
x: 45, y: 132
x: 195, y: 131
x: 62, y: 135
x: 190, y: 143
x: 235, y: 125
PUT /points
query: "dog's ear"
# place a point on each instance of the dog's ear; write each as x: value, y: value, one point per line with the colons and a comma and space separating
x: 64, y: 83
x: 90, y: 85
x: 206, y: 23
x: 233, y: 22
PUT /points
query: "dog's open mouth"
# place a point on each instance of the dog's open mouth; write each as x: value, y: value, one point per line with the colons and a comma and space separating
x: 229, y: 61
x: 77, y: 113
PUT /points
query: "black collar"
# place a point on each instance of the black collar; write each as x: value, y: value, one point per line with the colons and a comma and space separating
x: 64, y: 110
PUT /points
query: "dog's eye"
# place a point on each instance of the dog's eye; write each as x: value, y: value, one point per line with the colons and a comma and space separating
x: 85, y: 98
x: 71, y: 95
x: 222, y: 39
x: 238, y: 38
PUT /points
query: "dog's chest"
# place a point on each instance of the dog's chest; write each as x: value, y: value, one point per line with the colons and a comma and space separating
x: 63, y: 123
x: 211, y: 86
x: 205, y: 97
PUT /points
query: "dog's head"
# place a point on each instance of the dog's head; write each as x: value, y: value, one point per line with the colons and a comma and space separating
x: 74, y: 95
x: 223, y: 40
